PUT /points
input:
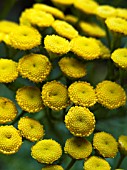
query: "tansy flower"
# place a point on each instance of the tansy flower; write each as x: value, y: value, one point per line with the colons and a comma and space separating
x: 29, y: 99
x: 25, y: 38
x: 72, y: 67
x: 121, y: 12
x: 30, y: 128
x: 78, y: 148
x: 63, y: 2
x: 55, y: 95
x: 53, y: 167
x: 46, y: 151
x: 122, y: 144
x: 80, y: 121
x: 87, y: 6
x: 52, y: 10
x: 56, y: 44
x: 82, y: 93
x: 71, y: 19
x: 105, y: 11
x: 105, y: 144
x: 116, y: 24
x: 10, y: 140
x: 24, y: 17
x: 119, y: 56
x: 64, y: 29
x: 8, y: 70
x: 8, y: 110
x: 96, y: 163
x: 92, y: 29
x: 87, y: 48
x: 2, y: 35
x: 35, y: 67
x: 110, y: 94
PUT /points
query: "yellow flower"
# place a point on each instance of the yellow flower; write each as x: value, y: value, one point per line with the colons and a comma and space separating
x: 25, y: 38
x: 105, y: 144
x: 71, y: 19
x: 55, y: 95
x: 52, y: 10
x: 121, y: 12
x: 8, y: 110
x: 72, y: 67
x: 56, y: 44
x: 8, y: 70
x: 87, y: 6
x: 10, y: 140
x: 29, y: 99
x: 116, y: 24
x: 87, y: 48
x: 35, y: 67
x: 96, y: 163
x: 53, y: 167
x: 80, y: 121
x: 64, y: 29
x: 2, y: 35
x: 105, y: 11
x: 122, y: 143
x: 110, y: 94
x: 119, y: 57
x: 82, y: 93
x: 30, y: 128
x: 46, y: 151
x: 24, y: 17
x: 78, y: 148
x: 92, y: 29
x: 63, y: 2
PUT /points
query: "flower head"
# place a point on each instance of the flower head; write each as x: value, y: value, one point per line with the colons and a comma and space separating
x: 105, y: 144
x: 92, y: 29
x: 10, y: 140
x: 35, y: 67
x: 122, y: 144
x: 78, y: 148
x: 105, y: 52
x: 110, y: 94
x: 55, y: 95
x: 30, y: 128
x: 71, y: 19
x: 56, y: 44
x: 29, y: 99
x: 52, y: 10
x: 87, y: 48
x: 53, y: 167
x: 64, y: 29
x: 63, y: 2
x: 80, y: 121
x: 96, y: 163
x: 87, y: 6
x: 8, y: 110
x: 117, y: 24
x: 119, y: 56
x: 46, y: 151
x: 24, y: 38
x: 8, y: 70
x: 121, y: 12
x: 72, y: 67
x: 82, y: 93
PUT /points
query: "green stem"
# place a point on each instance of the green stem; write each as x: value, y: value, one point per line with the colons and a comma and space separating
x: 108, y: 36
x: 70, y: 164
x: 120, y: 161
x: 17, y: 118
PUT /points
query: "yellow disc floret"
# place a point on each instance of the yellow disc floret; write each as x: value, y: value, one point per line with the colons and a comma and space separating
x: 121, y: 12
x: 30, y: 128
x: 64, y: 29
x: 53, y: 167
x: 122, y: 143
x: 55, y: 95
x: 110, y: 94
x: 87, y: 48
x: 78, y: 148
x: 8, y: 70
x: 72, y: 67
x: 80, y: 121
x: 35, y: 67
x: 25, y: 38
x: 29, y: 99
x: 10, y: 140
x: 82, y: 94
x: 96, y: 163
x: 46, y: 151
x: 105, y: 144
x: 8, y: 110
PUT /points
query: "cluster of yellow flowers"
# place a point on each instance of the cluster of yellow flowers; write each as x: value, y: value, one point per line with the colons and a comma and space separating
x: 54, y: 42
